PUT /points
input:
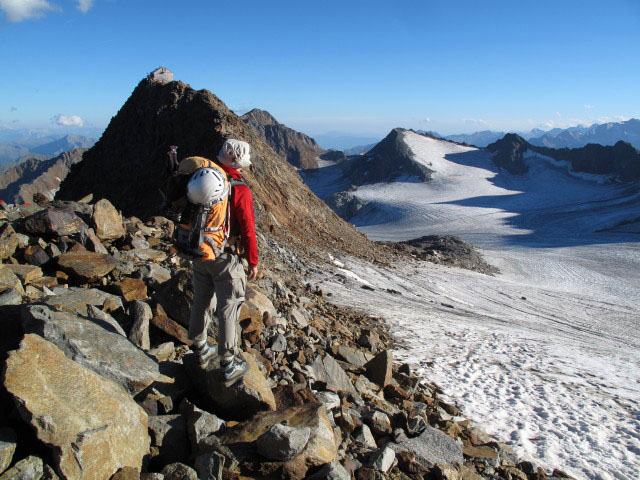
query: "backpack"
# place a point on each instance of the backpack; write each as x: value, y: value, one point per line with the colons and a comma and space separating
x: 202, y: 230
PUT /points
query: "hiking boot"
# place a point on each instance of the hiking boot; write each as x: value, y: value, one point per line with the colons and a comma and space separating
x: 204, y: 353
x: 233, y: 369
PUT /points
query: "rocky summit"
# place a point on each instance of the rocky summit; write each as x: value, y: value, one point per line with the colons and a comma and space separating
x: 98, y: 378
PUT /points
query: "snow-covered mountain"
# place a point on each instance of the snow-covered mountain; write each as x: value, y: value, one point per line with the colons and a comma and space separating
x: 545, y: 354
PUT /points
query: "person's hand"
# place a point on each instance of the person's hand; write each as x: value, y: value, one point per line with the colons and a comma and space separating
x: 253, y: 272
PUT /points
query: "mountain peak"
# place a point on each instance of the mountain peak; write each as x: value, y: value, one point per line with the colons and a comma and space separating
x: 261, y: 116
x: 129, y: 167
x: 298, y: 149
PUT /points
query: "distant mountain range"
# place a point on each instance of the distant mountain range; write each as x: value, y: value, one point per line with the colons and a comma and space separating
x: 603, y: 134
x: 36, y: 175
x: 572, y: 137
x: 343, y: 141
x: 13, y: 150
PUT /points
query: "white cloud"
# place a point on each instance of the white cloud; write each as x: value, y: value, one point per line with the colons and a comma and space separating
x: 68, y: 121
x: 477, y: 122
x: 589, y: 107
x: 18, y: 10
x: 85, y: 5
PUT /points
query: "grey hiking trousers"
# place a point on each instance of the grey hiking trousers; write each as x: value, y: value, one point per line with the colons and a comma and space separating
x: 218, y: 285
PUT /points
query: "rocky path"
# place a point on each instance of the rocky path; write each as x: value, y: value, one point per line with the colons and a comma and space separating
x: 99, y: 382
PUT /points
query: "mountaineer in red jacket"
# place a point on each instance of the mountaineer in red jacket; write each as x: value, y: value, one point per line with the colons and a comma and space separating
x: 219, y: 283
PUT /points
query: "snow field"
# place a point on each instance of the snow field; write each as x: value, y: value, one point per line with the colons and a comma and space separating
x: 545, y: 355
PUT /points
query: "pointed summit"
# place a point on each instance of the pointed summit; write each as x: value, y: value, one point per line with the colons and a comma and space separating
x: 129, y: 165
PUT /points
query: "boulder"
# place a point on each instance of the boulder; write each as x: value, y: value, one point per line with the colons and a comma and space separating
x: 370, y: 339
x: 432, y: 447
x: 176, y: 297
x: 126, y: 473
x: 153, y: 274
x: 383, y: 459
x: 179, y: 471
x: 107, y: 221
x: 91, y: 424
x: 26, y: 273
x: 87, y: 266
x: 298, y: 318
x: 329, y: 399
x: 169, y: 436
x: 76, y: 299
x: 364, y: 436
x: 143, y: 255
x: 9, y: 241
x: 331, y: 471
x: 9, y: 296
x: 30, y: 468
x: 103, y: 318
x: 139, y: 333
x: 209, y: 466
x: 151, y: 476
x: 246, y: 397
x: 380, y: 368
x: 58, y: 222
x: 87, y: 343
x: 131, y: 289
x: 91, y: 241
x: 8, y: 445
x: 328, y: 370
x: 35, y: 255
x: 163, y: 352
x: 201, y: 426
x: 278, y: 343
x: 10, y: 279
x: 352, y: 355
x: 282, y: 442
x: 255, y: 304
x: 320, y: 449
x: 171, y: 328
x: 379, y: 423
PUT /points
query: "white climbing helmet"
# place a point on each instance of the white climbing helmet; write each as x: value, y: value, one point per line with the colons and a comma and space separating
x: 235, y: 153
x: 207, y: 186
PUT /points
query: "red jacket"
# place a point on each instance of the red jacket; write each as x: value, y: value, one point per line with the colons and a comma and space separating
x: 242, y: 218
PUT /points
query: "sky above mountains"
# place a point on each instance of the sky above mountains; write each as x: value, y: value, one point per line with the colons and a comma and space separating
x: 357, y: 67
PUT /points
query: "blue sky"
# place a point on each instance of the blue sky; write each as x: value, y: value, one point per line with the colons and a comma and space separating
x: 360, y: 67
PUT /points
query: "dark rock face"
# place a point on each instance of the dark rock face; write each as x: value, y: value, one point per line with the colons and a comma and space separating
x: 622, y: 160
x: 298, y: 149
x: 445, y: 250
x: 389, y: 161
x: 509, y: 152
x: 20, y: 183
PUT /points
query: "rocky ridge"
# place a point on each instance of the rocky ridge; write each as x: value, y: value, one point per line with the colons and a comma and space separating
x: 444, y: 250
x: 36, y: 175
x: 620, y: 161
x: 298, y: 149
x: 84, y: 312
